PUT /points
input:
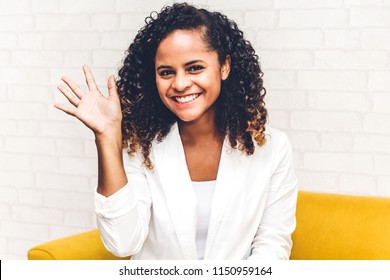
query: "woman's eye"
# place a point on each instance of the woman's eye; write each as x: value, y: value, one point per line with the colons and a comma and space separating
x: 165, y: 73
x: 195, y: 68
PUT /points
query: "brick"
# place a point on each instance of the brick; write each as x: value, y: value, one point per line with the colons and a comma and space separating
x: 117, y: 41
x: 59, y: 181
x: 70, y: 147
x: 339, y: 101
x: 15, y: 7
x: 72, y: 40
x: 286, y: 100
x: 31, y: 197
x: 28, y: 58
x: 15, y: 23
x: 11, y: 110
x: 353, y: 60
x: 371, y: 143
x: 298, y: 160
x: 339, y: 162
x: 357, y: 184
x: 307, y: 4
x: 274, y: 79
x: 107, y: 58
x: 332, y: 80
x: 382, y: 165
x: 30, y: 40
x: 79, y: 218
x: 381, y: 101
x: 237, y: 5
x: 335, y: 18
x: 67, y: 200
x: 305, y: 141
x: 37, y: 215
x: 384, y: 186
x: 352, y: 3
x: 5, y: 58
x: 44, y: 6
x: 16, y: 178
x: 25, y: 230
x: 44, y: 163
x: 90, y: 149
x: 342, y: 38
x: 326, y: 121
x: 287, y: 60
x: 68, y: 130
x: 8, y: 40
x: 31, y: 76
x: 279, y: 119
x: 28, y: 127
x: 377, y: 123
x: 86, y: 6
x: 57, y: 232
x: 375, y: 38
x: 379, y: 80
x: 260, y: 19
x: 81, y: 166
x: 30, y: 93
x: 136, y: 6
x: 7, y: 127
x: 337, y: 142
x: 318, y: 181
x: 105, y: 22
x: 5, y: 212
x: 29, y: 145
x: 132, y: 21
x: 76, y: 58
x: 63, y: 22
x: 370, y: 17
x: 15, y: 162
x: 289, y: 39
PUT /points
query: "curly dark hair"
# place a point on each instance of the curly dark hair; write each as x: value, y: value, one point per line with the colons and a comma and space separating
x: 240, y: 108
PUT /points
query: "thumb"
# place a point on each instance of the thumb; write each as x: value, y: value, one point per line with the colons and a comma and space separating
x: 111, y: 85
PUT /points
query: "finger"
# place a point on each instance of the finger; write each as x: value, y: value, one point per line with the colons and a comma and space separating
x: 89, y: 78
x: 74, y: 87
x: 111, y: 85
x: 72, y: 99
x: 67, y: 109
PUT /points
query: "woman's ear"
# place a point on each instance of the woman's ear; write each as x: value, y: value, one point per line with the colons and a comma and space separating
x: 225, y: 68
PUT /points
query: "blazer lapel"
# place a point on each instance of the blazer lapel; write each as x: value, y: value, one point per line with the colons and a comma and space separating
x: 176, y: 184
x: 228, y: 172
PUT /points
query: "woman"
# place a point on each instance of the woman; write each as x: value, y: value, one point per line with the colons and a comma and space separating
x: 202, y: 176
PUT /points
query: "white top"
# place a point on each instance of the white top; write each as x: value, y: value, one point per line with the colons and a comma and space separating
x: 204, y: 193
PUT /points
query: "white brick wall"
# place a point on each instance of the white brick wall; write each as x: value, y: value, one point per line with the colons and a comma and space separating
x: 327, y: 73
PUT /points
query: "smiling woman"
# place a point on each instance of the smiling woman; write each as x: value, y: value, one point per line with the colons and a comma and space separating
x: 188, y: 168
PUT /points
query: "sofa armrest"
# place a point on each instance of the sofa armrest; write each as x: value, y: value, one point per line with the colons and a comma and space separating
x: 84, y: 246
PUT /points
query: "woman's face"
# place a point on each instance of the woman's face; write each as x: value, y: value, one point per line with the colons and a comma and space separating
x: 189, y: 75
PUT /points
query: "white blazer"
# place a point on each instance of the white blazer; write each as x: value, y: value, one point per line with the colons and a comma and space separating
x: 252, y: 214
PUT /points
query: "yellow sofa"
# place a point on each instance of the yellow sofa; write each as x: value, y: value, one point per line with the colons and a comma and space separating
x: 329, y: 226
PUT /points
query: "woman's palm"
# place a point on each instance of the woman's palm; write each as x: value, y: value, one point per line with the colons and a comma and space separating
x: 97, y: 112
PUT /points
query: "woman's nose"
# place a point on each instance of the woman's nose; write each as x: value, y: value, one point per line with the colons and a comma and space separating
x: 181, y: 82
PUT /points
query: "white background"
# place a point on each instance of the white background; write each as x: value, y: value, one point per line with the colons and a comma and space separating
x: 327, y: 74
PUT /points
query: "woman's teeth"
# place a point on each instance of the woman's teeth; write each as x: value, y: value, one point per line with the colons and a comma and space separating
x: 186, y: 99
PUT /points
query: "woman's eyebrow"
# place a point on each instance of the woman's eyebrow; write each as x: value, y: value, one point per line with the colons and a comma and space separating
x: 186, y: 64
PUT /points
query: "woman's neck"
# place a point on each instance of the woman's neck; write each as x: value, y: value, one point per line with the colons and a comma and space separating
x: 199, y: 131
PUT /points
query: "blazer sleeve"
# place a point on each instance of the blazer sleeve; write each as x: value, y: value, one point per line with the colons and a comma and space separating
x: 123, y: 218
x: 273, y: 237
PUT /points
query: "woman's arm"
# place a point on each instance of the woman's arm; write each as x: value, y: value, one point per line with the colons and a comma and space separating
x: 103, y: 116
x: 122, y: 204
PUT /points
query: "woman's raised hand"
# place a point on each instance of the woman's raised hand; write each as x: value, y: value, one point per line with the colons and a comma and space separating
x: 101, y: 114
